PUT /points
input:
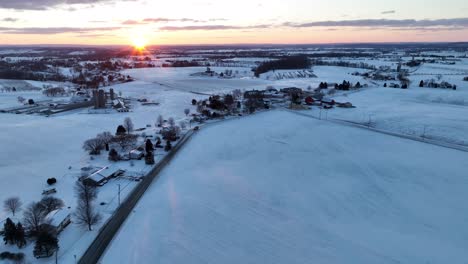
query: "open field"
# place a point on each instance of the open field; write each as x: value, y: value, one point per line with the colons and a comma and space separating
x: 278, y: 187
x: 331, y: 183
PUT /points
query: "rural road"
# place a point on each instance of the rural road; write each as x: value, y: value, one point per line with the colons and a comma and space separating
x: 390, y: 133
x: 112, y: 226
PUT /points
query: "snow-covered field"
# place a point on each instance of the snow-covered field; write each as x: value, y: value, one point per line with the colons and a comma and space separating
x: 434, y: 113
x: 35, y: 148
x: 283, y: 188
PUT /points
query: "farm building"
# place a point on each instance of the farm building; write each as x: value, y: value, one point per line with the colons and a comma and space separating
x: 136, y: 154
x: 58, y: 219
x: 102, y: 176
x: 291, y: 90
x: 309, y: 100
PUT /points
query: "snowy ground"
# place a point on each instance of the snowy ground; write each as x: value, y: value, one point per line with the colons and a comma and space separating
x: 254, y: 191
x: 35, y: 148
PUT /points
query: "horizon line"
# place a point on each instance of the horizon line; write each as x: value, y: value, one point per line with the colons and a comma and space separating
x: 45, y: 45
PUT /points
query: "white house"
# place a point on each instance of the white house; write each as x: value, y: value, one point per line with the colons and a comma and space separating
x: 58, y: 219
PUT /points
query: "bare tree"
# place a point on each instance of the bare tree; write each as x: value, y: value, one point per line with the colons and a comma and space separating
x: 171, y: 122
x: 177, y: 130
x: 50, y: 204
x: 183, y: 125
x: 85, y: 213
x: 33, y: 216
x: 12, y: 205
x: 187, y: 111
x: 93, y: 146
x: 237, y: 93
x: 126, y: 141
x: 160, y: 121
x: 105, y: 137
x: 21, y: 99
x: 128, y: 124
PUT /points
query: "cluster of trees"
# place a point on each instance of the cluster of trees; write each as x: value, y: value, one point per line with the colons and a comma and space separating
x: 8, y: 89
x: 171, y: 132
x: 101, y: 141
x: 182, y: 63
x: 14, y: 234
x: 413, y: 63
x: 465, y: 79
x: 287, y: 63
x: 219, y: 103
x: 344, y: 86
x: 254, y: 101
x: 46, y: 244
x: 34, y: 217
x: 52, y: 92
x: 348, y: 64
x: 323, y: 85
x: 13, y: 257
x: 433, y: 84
x: 37, y: 70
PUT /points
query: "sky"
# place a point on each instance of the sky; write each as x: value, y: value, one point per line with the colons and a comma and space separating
x: 124, y: 22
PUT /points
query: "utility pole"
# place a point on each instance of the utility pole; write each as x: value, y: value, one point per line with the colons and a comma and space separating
x: 56, y: 255
x: 119, y: 193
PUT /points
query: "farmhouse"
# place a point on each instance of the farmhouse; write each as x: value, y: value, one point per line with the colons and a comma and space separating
x: 291, y: 90
x: 102, y: 176
x: 254, y: 94
x: 58, y: 220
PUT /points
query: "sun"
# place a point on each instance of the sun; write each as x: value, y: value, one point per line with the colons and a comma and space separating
x: 139, y: 42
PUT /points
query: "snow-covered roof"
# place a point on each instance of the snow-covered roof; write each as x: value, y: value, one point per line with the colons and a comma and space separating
x: 101, y: 174
x: 56, y: 217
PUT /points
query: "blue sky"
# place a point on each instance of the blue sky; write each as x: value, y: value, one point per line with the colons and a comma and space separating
x: 223, y: 21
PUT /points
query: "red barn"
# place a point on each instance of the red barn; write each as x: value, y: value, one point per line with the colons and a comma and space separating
x: 309, y: 100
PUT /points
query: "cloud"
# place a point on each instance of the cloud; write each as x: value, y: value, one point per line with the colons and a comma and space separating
x: 165, y: 20
x: 54, y: 30
x: 132, y: 22
x: 390, y: 23
x: 211, y: 27
x: 388, y: 12
x: 47, y: 4
x: 9, y: 19
x: 158, y: 20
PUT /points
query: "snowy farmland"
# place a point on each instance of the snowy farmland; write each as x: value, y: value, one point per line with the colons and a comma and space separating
x: 336, y: 164
x: 282, y: 188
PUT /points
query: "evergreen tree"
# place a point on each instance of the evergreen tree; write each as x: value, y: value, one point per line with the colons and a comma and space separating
x: 113, y: 155
x: 9, y: 232
x: 149, y: 158
x: 121, y: 131
x: 20, y: 237
x: 421, y: 84
x: 158, y: 142
x: 385, y: 85
x: 168, y: 146
x: 46, y: 244
x: 149, y: 146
